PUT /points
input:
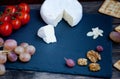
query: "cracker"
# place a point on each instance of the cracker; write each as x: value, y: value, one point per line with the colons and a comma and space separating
x: 111, y: 7
x: 117, y: 65
x: 117, y: 28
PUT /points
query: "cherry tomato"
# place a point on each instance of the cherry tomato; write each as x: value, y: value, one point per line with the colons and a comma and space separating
x: 5, y: 28
x: 10, y: 10
x: 16, y: 23
x: 5, y: 18
x: 24, y: 17
x: 24, y: 7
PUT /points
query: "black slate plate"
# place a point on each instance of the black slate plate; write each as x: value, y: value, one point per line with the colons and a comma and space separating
x: 71, y: 43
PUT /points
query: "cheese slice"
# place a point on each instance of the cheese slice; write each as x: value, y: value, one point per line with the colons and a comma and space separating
x: 52, y: 11
x: 47, y: 33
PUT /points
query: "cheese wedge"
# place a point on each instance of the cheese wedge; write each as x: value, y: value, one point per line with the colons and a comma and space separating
x: 47, y: 33
x: 52, y: 12
x: 72, y: 12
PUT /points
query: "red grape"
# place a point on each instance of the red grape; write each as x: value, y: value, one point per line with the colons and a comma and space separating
x: 99, y: 48
x: 24, y: 44
x: 30, y: 49
x: 24, y: 57
x: 2, y: 69
x: 12, y: 57
x: 19, y: 49
x: 3, y: 58
x: 69, y: 62
x: 10, y: 44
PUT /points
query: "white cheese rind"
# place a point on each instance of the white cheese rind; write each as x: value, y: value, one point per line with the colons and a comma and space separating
x: 47, y: 33
x: 52, y: 11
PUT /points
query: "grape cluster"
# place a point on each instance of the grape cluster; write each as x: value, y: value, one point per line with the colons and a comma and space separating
x: 12, y: 52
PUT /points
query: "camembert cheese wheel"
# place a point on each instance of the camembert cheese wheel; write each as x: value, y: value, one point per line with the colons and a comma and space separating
x: 52, y: 11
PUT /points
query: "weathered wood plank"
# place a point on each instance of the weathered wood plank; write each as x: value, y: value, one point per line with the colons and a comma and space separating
x: 10, y: 2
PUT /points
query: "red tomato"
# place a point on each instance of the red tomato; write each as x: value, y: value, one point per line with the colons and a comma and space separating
x: 5, y: 18
x: 10, y: 10
x: 5, y: 29
x: 16, y: 23
x: 24, y: 7
x: 24, y: 17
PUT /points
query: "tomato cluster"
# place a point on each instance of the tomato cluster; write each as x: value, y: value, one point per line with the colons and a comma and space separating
x: 13, y: 17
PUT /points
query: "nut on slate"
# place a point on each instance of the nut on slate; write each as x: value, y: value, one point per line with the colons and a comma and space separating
x: 94, y: 67
x: 117, y: 28
x: 93, y: 56
x: 82, y: 61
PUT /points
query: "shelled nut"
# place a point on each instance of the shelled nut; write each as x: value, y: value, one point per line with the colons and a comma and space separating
x: 93, y: 56
x: 94, y: 67
x: 82, y: 61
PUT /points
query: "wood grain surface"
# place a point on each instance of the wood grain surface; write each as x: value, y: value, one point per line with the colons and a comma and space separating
x: 10, y: 2
x: 88, y: 7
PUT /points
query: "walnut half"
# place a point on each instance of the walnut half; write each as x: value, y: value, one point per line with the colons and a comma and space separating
x: 94, y: 67
x: 82, y: 61
x: 93, y: 56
